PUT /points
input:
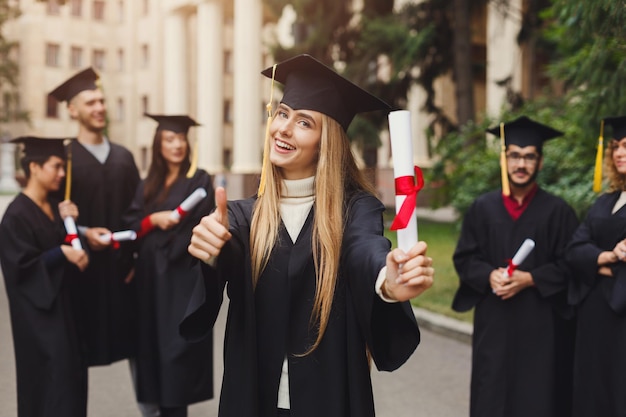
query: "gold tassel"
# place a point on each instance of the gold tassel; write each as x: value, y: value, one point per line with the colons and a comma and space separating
x: 68, y: 173
x: 597, y: 172
x: 506, y: 191
x: 193, y: 167
x: 266, y: 145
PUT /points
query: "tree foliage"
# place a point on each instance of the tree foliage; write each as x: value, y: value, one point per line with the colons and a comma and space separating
x: 9, y: 69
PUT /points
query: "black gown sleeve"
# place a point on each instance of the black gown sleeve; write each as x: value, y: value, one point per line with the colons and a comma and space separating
x: 390, y: 329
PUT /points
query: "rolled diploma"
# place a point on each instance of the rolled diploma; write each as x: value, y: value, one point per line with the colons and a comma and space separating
x: 120, y: 236
x: 188, y: 203
x: 527, y: 246
x: 402, y: 152
x: 70, y: 227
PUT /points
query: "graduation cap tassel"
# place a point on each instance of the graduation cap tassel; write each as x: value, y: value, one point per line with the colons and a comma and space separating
x: 68, y: 173
x: 503, y: 167
x: 597, y: 172
x: 266, y: 145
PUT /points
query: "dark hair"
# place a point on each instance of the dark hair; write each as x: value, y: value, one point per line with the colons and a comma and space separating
x: 25, y: 163
x: 154, y: 191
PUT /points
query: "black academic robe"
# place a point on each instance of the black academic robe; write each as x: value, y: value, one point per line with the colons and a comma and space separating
x: 521, y: 347
x: 171, y: 371
x: 105, y: 304
x: 51, y: 374
x: 273, y: 321
x: 600, y: 360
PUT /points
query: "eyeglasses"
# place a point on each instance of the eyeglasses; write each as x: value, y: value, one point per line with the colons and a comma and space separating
x: 529, y: 158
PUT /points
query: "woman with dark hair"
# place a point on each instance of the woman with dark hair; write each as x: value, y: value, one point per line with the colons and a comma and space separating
x: 170, y: 371
x: 315, y: 289
x: 51, y: 369
x: 597, y: 254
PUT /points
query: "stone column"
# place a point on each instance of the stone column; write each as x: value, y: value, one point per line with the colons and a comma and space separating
x: 7, y: 166
x: 175, y: 95
x: 210, y: 80
x: 247, y: 102
x: 503, y: 53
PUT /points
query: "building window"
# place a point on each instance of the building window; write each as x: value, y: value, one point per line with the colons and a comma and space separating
x: 98, y: 59
x: 76, y: 8
x: 120, y: 11
x: 53, y: 51
x: 53, y: 7
x: 145, y: 56
x: 144, y: 105
x: 52, y: 107
x: 98, y: 10
x: 228, y: 111
x: 121, y: 111
x: 76, y: 57
x: 228, y: 62
x: 144, y: 158
x: 120, y: 59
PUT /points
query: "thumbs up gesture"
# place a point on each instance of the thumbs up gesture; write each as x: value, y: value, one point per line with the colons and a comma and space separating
x: 210, y: 235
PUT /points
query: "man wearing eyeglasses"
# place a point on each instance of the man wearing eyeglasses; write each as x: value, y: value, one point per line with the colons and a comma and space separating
x: 522, y: 345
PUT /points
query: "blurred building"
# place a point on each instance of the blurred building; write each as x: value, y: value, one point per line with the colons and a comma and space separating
x: 203, y: 58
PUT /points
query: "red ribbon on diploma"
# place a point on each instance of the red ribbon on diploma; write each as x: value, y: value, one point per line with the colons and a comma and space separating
x: 512, y: 267
x: 407, y: 186
x: 181, y: 212
x: 70, y: 238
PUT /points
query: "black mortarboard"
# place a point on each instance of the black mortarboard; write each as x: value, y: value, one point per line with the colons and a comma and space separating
x: 311, y: 85
x: 41, y: 147
x: 84, y: 80
x: 175, y: 123
x: 618, y: 125
x: 526, y: 132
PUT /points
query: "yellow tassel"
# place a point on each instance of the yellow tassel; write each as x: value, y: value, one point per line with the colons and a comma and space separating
x: 266, y: 144
x: 68, y: 173
x: 193, y: 167
x: 506, y: 191
x: 597, y: 172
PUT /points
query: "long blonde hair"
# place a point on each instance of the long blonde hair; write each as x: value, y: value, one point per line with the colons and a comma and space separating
x: 337, y: 171
x: 617, y: 181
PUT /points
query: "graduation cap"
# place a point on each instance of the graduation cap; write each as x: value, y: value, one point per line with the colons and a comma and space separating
x: 522, y: 132
x: 175, y: 123
x: 84, y: 80
x: 618, y: 125
x: 311, y: 85
x: 36, y: 147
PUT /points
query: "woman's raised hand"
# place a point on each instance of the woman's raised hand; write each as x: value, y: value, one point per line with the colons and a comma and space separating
x: 210, y: 235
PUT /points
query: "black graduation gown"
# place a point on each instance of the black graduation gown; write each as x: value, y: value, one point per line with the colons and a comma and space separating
x: 521, y: 347
x: 600, y: 360
x: 265, y: 325
x: 171, y: 372
x: 51, y: 374
x: 105, y: 304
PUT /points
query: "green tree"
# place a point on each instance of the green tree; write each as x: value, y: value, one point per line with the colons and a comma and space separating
x: 9, y: 69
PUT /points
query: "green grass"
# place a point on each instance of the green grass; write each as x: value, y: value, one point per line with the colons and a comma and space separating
x: 441, y: 239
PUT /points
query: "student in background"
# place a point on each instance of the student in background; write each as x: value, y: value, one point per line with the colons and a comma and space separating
x: 171, y: 372
x: 49, y: 363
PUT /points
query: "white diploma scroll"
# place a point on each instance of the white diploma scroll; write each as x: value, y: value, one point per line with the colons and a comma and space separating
x: 527, y: 246
x: 402, y: 152
x: 72, y: 232
x: 121, y: 236
x: 189, y: 203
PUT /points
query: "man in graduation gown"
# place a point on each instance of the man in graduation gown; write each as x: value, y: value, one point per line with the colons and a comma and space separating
x: 523, y: 337
x: 104, y: 178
